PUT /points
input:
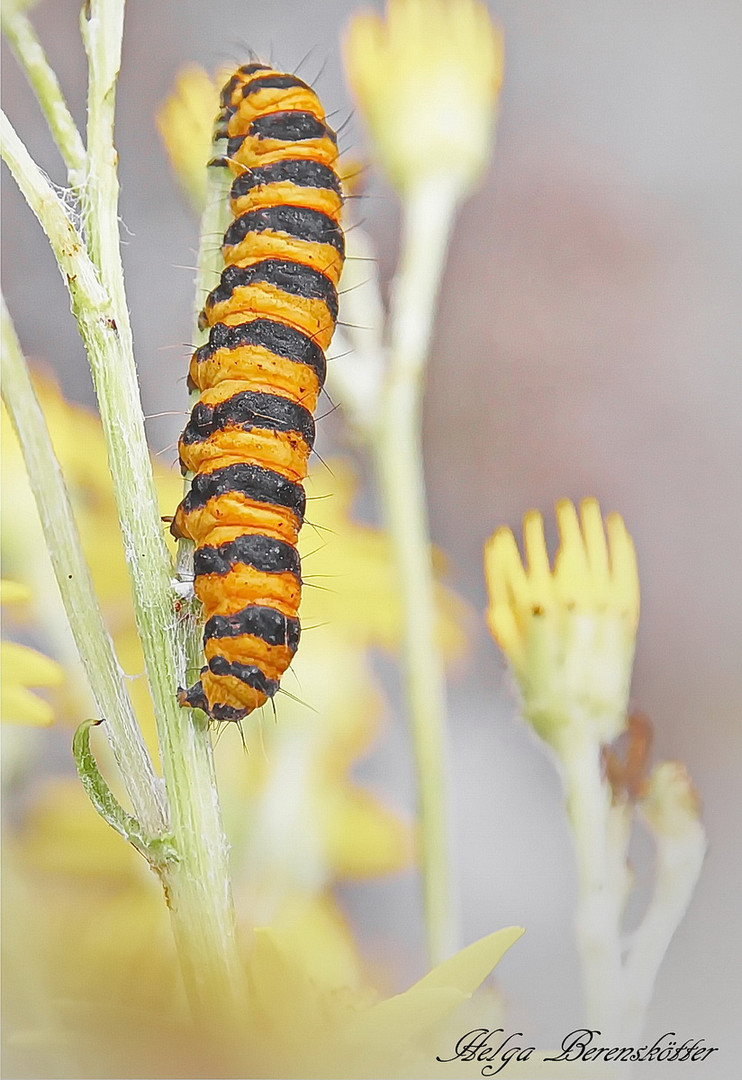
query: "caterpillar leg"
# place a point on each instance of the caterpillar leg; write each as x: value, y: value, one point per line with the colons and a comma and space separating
x: 195, y: 698
x: 232, y: 694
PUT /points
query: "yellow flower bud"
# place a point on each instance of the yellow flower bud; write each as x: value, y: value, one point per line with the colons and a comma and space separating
x: 426, y: 79
x: 186, y: 123
x: 568, y: 632
x: 671, y: 805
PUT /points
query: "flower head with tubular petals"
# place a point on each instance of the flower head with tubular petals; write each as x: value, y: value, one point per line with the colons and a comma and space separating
x: 569, y: 631
x: 427, y: 77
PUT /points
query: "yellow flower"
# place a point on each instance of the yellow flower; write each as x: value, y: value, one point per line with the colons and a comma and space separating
x: 427, y: 79
x: 186, y: 123
x: 349, y: 568
x: 568, y: 632
x: 12, y: 592
x: 84, y: 911
x: 297, y: 819
x: 336, y: 1031
x: 23, y: 667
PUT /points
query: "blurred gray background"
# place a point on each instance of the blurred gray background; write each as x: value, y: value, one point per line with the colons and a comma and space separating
x: 588, y: 342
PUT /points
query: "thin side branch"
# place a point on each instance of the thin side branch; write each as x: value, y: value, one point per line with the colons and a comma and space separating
x: 27, y: 48
x: 76, y: 588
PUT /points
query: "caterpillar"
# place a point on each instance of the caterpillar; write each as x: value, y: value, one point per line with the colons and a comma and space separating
x: 250, y: 434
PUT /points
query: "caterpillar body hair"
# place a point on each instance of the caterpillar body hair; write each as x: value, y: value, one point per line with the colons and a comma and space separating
x: 249, y: 436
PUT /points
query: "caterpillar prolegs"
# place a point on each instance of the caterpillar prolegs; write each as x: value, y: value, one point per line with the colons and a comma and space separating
x: 271, y: 318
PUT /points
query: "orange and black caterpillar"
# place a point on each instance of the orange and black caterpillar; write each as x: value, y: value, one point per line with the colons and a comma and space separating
x: 250, y: 434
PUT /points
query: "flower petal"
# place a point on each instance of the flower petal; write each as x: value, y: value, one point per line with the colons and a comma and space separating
x: 23, y: 667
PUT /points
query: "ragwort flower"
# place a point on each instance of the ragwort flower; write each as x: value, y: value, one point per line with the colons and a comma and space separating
x: 427, y: 78
x: 568, y: 632
x: 94, y: 918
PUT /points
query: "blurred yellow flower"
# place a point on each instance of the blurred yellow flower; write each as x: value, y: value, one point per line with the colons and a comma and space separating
x: 16, y: 7
x: 186, y: 123
x: 426, y: 79
x: 569, y: 632
x: 351, y: 171
x: 336, y: 1032
x: 350, y: 571
x: 78, y: 443
x: 85, y: 913
x: 23, y: 667
x: 12, y: 592
x: 297, y: 820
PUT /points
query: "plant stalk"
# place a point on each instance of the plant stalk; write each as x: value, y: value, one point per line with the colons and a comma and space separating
x: 209, y: 265
x: 600, y: 899
x: 197, y: 887
x: 679, y: 860
x: 75, y: 585
x: 30, y: 54
x: 428, y: 217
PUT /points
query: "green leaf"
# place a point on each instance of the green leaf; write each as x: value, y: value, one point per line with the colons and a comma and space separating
x: 158, y: 850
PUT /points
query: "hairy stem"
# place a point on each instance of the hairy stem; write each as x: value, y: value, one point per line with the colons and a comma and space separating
x: 198, y: 886
x: 73, y: 578
x: 210, y: 264
x: 27, y: 48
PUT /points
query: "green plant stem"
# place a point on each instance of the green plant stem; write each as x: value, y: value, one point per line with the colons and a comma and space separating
x: 214, y: 220
x: 78, y: 596
x: 428, y: 217
x: 210, y: 263
x: 600, y: 895
x: 27, y: 48
x: 89, y: 299
x: 197, y: 887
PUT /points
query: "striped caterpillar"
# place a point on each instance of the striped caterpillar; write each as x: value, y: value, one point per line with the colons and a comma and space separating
x: 271, y: 318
